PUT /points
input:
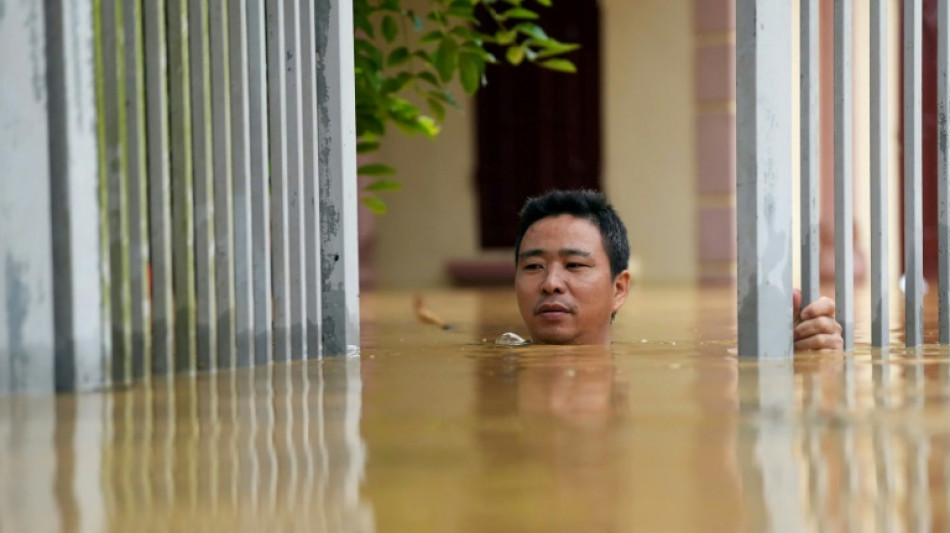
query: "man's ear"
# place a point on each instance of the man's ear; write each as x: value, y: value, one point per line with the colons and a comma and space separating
x: 621, y: 289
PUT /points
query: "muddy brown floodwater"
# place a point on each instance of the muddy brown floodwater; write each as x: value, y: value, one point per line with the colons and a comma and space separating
x: 432, y: 430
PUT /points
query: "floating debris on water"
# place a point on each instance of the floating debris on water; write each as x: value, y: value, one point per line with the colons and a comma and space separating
x: 511, y: 339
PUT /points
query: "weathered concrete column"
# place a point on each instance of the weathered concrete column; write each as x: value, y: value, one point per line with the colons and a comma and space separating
x: 336, y: 108
x: 51, y: 322
x: 764, y: 181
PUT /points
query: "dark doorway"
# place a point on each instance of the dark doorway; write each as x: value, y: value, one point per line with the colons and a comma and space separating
x: 538, y: 129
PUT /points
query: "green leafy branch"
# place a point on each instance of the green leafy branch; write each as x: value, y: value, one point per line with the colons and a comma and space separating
x: 404, y: 57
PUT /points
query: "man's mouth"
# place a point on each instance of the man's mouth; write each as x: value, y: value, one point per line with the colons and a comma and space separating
x: 552, y: 310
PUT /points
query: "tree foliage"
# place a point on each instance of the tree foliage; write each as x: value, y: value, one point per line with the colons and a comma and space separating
x: 406, y: 59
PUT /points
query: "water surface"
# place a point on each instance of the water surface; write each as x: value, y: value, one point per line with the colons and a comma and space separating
x: 432, y: 430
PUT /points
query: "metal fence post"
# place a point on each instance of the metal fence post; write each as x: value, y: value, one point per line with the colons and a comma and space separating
x: 764, y: 184
x: 336, y: 108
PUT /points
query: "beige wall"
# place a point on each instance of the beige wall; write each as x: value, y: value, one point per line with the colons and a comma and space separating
x: 649, y: 159
x: 649, y: 130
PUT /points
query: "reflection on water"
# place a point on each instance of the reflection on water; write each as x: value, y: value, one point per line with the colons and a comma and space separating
x: 439, y: 431
x: 266, y: 450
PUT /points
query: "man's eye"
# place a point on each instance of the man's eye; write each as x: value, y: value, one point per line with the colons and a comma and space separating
x: 532, y: 266
x: 575, y: 266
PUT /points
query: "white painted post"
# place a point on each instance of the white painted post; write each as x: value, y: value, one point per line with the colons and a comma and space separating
x: 244, y: 302
x: 51, y: 303
x: 113, y: 163
x: 336, y: 108
x: 810, y: 155
x: 844, y: 164
x: 880, y: 293
x: 259, y: 121
x: 311, y: 192
x: 137, y: 184
x: 277, y: 112
x: 82, y: 347
x: 222, y: 183
x: 297, y: 250
x: 201, y: 121
x: 913, y: 244
x: 182, y: 172
x: 764, y: 184
x: 159, y: 186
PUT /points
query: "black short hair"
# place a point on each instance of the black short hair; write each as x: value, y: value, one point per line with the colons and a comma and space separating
x: 581, y: 203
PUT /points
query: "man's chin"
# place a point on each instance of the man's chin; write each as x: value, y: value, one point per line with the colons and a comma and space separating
x: 553, y: 337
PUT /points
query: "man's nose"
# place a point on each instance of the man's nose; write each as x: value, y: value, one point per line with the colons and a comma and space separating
x: 553, y: 281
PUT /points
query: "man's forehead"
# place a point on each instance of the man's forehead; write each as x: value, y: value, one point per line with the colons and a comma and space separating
x: 562, y: 234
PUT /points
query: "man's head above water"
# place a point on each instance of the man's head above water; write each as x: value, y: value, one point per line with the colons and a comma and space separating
x: 571, y: 259
x: 571, y: 275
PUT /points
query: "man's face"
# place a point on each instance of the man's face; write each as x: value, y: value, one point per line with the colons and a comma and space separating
x: 565, y: 291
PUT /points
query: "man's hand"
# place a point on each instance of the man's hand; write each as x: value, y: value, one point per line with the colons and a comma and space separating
x: 815, y: 325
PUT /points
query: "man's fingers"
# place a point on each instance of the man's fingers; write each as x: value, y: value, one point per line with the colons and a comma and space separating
x: 820, y: 342
x: 823, y: 306
x: 823, y: 325
x: 796, y: 303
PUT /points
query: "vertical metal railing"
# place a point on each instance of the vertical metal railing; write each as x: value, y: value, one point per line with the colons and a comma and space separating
x: 880, y: 293
x: 764, y: 180
x: 844, y: 164
x: 194, y: 151
x: 772, y: 256
x: 810, y: 164
x: 913, y: 175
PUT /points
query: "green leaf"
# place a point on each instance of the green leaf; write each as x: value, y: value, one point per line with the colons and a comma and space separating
x: 505, y: 38
x: 470, y: 72
x: 398, y: 56
x: 375, y: 169
x: 545, y: 3
x: 446, y: 59
x: 366, y: 147
x: 390, y: 28
x: 384, y: 185
x: 520, y: 13
x: 428, y: 77
x: 515, y: 55
x: 376, y: 205
x: 557, y: 49
x: 431, y: 37
x: 437, y: 108
x: 427, y: 126
x: 560, y: 65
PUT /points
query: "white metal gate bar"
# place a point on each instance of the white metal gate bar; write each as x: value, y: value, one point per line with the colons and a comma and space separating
x: 201, y: 135
x: 159, y: 184
x: 295, y: 200
x: 277, y: 95
x: 339, y: 259
x: 880, y: 294
x: 844, y: 150
x: 260, y: 187
x: 113, y: 165
x: 137, y: 193
x: 183, y: 218
x: 943, y: 169
x: 242, y: 228
x: 810, y: 158
x: 913, y: 175
x: 80, y: 346
x: 311, y: 193
x: 222, y: 183
x: 763, y: 182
